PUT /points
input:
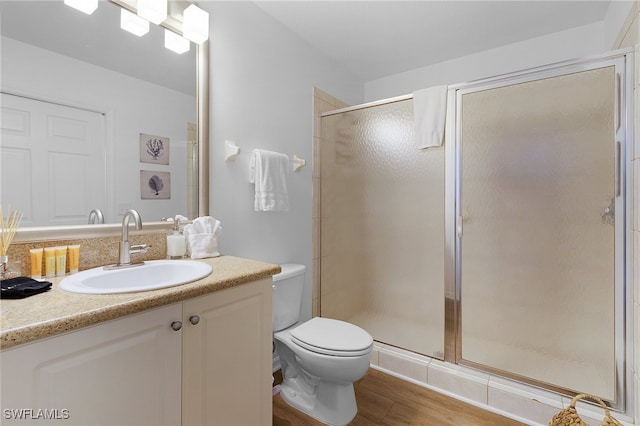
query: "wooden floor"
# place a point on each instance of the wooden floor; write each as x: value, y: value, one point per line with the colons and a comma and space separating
x: 386, y: 400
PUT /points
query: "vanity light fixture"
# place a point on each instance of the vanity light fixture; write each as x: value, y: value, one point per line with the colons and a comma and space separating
x: 153, y: 10
x: 195, y: 24
x: 86, y: 6
x: 133, y: 23
x: 173, y: 41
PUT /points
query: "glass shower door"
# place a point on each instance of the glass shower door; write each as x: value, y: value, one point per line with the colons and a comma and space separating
x: 382, y: 227
x: 536, y: 222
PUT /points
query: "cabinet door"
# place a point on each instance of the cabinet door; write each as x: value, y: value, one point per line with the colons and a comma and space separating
x: 124, y: 372
x: 227, y: 357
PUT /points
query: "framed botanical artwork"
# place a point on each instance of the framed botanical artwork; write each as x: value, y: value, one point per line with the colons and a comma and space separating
x: 155, y: 185
x: 154, y: 149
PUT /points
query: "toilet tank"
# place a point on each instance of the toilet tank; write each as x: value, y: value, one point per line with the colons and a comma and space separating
x: 287, y: 295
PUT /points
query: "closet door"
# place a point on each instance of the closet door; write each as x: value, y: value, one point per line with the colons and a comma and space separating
x: 538, y: 213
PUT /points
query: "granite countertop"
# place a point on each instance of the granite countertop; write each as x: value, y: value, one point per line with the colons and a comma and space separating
x: 57, y: 311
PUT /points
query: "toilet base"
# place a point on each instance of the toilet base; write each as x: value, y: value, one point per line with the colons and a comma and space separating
x: 332, y: 403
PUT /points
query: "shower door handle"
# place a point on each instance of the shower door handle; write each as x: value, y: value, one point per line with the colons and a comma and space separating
x: 618, y: 169
x: 618, y: 102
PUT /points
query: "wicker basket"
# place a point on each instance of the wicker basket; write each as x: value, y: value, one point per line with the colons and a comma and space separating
x: 569, y: 416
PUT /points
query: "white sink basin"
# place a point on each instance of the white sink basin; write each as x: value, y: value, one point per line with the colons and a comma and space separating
x: 154, y: 274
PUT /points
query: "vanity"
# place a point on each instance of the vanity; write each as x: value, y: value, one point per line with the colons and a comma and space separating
x: 193, y: 354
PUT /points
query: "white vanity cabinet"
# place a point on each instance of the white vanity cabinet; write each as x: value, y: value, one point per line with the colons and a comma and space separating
x: 226, y: 357
x: 203, y: 361
x: 125, y: 371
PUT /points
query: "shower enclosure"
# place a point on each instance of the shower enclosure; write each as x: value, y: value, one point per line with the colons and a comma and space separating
x: 382, y: 227
x: 503, y: 250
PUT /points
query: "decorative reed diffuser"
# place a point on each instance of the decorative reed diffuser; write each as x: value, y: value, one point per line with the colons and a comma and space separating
x: 7, y: 232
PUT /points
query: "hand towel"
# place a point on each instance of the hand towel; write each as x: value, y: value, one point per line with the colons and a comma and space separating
x: 20, y: 287
x: 429, y: 112
x: 202, y: 246
x: 268, y: 171
x: 201, y: 236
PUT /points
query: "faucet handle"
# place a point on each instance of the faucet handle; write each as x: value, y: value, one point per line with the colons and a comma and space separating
x: 139, y: 248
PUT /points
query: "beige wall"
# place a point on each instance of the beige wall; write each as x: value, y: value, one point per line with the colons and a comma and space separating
x: 322, y: 102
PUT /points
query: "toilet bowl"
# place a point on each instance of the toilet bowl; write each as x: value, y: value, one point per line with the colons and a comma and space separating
x: 320, y: 358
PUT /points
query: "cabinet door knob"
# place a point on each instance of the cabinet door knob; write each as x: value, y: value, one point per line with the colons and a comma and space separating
x: 194, y: 319
x: 176, y: 325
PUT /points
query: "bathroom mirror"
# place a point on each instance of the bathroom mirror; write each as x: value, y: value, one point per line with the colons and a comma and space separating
x: 126, y: 95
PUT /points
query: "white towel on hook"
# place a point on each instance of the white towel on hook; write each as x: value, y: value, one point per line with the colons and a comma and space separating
x: 429, y: 112
x: 268, y: 170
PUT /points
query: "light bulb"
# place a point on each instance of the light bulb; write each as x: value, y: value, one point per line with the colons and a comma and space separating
x: 173, y: 41
x: 133, y: 23
x: 86, y: 6
x: 195, y: 24
x: 153, y: 10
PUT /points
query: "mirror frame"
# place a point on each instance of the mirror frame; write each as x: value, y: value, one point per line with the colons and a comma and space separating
x: 173, y: 23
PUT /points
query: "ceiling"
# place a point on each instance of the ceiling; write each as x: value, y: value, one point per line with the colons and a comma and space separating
x: 373, y: 39
x: 370, y: 38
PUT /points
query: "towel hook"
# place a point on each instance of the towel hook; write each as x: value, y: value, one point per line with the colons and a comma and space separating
x: 231, y: 150
x: 298, y: 163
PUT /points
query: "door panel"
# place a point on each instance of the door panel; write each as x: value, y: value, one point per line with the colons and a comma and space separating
x: 537, y: 269
x: 53, y: 161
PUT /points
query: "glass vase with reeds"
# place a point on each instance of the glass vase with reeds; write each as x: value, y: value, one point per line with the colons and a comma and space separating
x: 8, y: 230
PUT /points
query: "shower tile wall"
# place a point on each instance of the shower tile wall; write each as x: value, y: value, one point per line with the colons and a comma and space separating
x: 192, y: 170
x: 636, y: 233
x: 630, y: 37
x: 322, y: 102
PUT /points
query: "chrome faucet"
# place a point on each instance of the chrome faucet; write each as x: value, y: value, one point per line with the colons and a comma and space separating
x: 96, y: 216
x: 125, y: 250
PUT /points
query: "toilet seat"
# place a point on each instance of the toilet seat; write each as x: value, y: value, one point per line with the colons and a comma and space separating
x: 332, y: 337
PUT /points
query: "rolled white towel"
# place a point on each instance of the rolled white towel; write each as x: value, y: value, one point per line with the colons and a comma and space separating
x: 202, y: 246
x: 204, y: 224
x: 201, y: 237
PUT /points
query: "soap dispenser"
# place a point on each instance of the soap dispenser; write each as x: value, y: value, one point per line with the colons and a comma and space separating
x: 176, y: 243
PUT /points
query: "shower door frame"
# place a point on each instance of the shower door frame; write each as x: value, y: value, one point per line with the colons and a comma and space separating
x: 623, y: 244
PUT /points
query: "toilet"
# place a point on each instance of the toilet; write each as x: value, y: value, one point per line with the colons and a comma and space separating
x: 320, y: 358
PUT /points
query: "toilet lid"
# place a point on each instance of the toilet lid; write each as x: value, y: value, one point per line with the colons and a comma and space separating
x: 332, y: 337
